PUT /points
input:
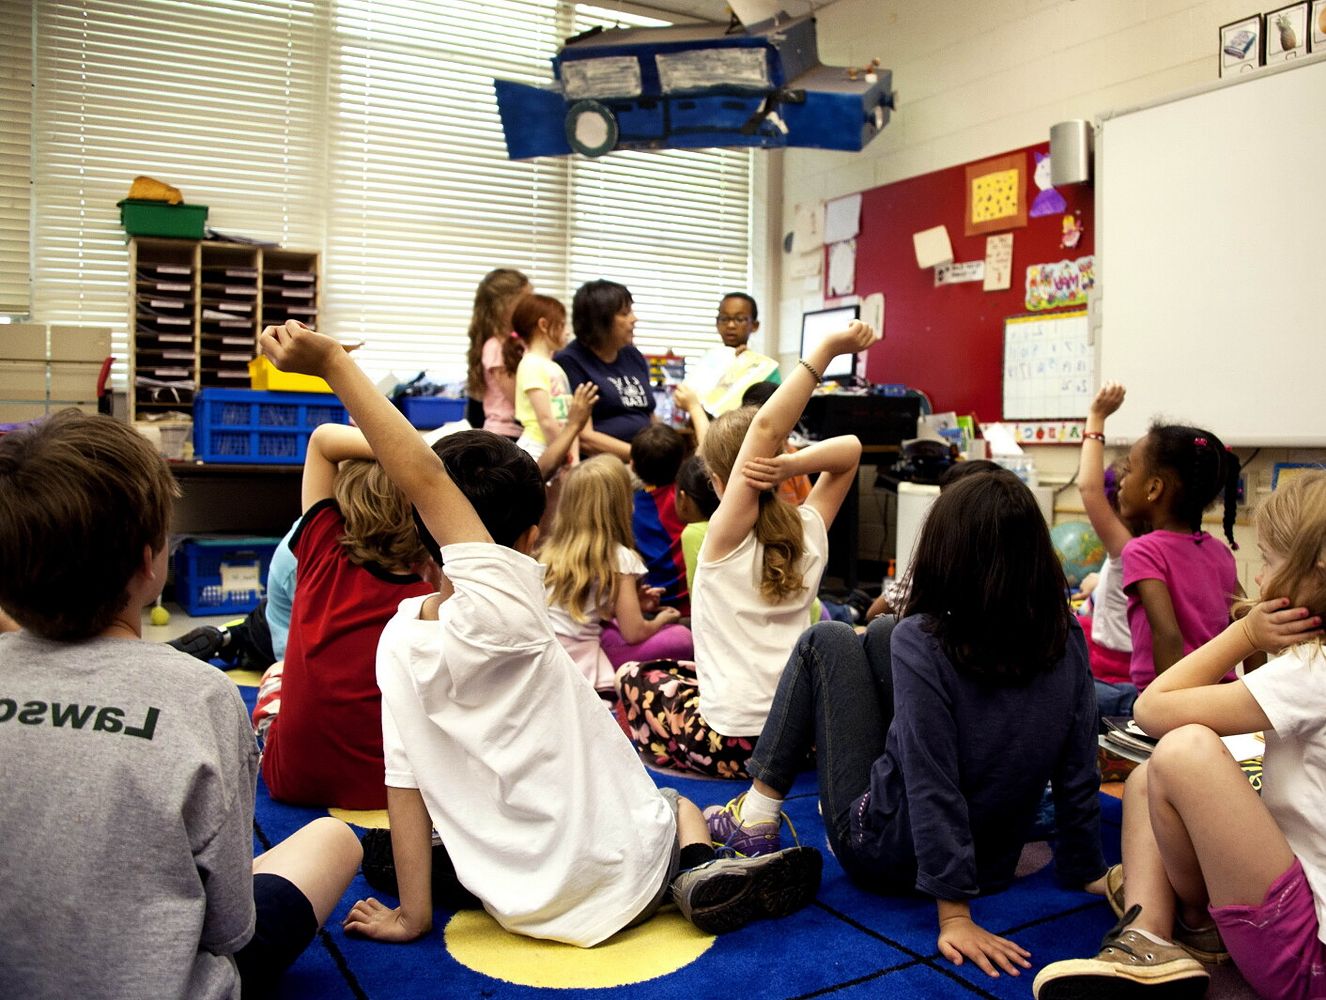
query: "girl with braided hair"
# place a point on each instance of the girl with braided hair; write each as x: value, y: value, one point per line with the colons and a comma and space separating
x: 1179, y: 580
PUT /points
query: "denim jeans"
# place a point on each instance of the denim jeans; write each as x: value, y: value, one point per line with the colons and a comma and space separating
x: 836, y: 695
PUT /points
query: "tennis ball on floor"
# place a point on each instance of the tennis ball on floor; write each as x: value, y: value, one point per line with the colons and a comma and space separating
x: 159, y: 616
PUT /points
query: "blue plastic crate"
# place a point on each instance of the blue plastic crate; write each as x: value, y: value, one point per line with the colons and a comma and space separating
x: 428, y: 412
x: 215, y: 576
x: 261, y: 427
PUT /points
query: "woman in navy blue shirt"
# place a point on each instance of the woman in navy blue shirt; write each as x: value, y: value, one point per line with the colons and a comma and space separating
x: 604, y: 352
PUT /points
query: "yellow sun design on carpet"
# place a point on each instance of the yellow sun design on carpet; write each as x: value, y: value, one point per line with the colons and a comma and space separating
x: 661, y: 945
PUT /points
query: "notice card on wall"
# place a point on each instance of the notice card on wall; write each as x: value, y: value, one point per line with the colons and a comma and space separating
x: 1049, y: 367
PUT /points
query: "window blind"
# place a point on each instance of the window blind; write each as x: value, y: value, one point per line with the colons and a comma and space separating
x: 15, y: 153
x: 368, y: 130
x: 220, y: 98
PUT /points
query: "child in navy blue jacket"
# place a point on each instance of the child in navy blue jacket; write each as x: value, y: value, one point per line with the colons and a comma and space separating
x: 936, y: 736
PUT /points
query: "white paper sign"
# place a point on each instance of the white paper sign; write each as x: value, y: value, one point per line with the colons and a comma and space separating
x: 955, y: 274
x: 808, y: 227
x: 998, y: 262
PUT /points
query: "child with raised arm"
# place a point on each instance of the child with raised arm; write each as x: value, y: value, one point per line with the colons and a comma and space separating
x: 556, y: 828
x: 1109, y: 641
x: 129, y: 767
x: 1211, y: 869
x: 1180, y: 581
x: 760, y: 567
x: 359, y: 556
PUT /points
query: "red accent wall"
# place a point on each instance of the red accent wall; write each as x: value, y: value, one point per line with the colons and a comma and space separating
x: 949, y: 341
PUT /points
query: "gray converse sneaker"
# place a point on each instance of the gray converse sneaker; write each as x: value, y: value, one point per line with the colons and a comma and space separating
x: 728, y: 893
x: 1202, y: 943
x: 1128, y: 965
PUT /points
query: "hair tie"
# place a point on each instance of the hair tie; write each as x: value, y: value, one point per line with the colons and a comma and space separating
x: 1200, y: 442
x: 514, y: 335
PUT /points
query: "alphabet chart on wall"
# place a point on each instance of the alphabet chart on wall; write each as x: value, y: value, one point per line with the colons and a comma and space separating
x: 1049, y: 366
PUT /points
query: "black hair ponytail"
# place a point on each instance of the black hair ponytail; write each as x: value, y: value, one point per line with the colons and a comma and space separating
x: 1200, y: 469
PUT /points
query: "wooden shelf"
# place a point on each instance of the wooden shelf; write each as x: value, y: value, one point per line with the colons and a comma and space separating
x: 196, y: 308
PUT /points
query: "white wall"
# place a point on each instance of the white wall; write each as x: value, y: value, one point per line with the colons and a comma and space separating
x: 975, y: 78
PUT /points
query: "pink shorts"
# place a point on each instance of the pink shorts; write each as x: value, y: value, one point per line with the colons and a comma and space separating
x: 1275, y: 944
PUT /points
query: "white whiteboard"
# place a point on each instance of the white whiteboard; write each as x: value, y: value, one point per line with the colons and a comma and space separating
x: 1211, y: 258
x: 1047, y: 367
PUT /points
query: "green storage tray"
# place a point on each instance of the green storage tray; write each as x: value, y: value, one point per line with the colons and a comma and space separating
x: 156, y: 218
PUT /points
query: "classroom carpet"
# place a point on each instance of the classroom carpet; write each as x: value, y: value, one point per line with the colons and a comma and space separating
x: 848, y: 944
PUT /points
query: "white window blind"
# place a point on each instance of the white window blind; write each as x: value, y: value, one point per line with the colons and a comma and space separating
x: 423, y: 200
x: 368, y: 130
x: 220, y: 98
x: 15, y: 153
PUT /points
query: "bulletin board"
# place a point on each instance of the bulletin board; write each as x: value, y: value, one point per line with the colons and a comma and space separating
x: 949, y: 340
x: 1048, y: 366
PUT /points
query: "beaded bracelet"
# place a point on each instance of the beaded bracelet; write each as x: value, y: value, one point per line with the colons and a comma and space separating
x: 1093, y: 436
x: 810, y: 368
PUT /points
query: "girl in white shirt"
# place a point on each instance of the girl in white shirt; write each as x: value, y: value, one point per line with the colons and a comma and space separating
x: 1210, y: 868
x: 593, y: 572
x: 759, y: 569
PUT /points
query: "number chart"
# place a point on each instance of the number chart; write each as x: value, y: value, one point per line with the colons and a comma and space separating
x: 1049, y: 367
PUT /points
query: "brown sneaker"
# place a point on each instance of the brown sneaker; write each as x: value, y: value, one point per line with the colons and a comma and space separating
x: 1129, y: 965
x: 1203, y: 943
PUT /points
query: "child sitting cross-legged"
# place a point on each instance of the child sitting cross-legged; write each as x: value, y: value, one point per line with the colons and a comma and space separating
x: 593, y: 573
x: 495, y: 739
x: 759, y: 568
x: 935, y: 736
x: 129, y: 767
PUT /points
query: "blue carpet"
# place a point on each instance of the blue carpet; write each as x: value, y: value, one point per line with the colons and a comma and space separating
x: 849, y: 944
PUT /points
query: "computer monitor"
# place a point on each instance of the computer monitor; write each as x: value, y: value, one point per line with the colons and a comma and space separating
x: 817, y: 325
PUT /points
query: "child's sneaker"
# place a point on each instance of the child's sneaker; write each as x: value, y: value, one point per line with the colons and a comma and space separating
x: 203, y: 643
x: 1129, y: 965
x: 728, y: 893
x: 1203, y: 943
x: 749, y: 840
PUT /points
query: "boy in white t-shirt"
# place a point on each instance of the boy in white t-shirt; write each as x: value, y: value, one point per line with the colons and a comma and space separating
x: 494, y: 738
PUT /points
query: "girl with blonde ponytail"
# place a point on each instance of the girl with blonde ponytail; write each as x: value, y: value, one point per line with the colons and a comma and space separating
x: 759, y: 569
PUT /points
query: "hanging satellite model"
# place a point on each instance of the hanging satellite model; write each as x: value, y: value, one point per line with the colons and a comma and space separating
x: 693, y: 86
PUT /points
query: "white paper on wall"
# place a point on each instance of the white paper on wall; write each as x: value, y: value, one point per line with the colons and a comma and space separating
x: 842, y: 269
x: 842, y: 219
x: 807, y: 227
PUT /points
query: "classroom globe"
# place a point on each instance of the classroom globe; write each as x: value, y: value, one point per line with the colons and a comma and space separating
x: 1079, y: 548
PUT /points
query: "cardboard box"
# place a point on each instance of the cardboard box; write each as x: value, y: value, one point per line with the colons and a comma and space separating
x: 74, y: 381
x: 23, y: 341
x: 23, y: 380
x: 80, y: 343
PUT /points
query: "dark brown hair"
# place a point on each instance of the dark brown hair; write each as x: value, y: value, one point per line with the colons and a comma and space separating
x: 81, y: 497
x: 595, y: 306
x: 988, y: 582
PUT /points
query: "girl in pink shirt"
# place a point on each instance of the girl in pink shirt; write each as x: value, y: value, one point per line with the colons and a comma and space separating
x: 1179, y: 580
x: 489, y: 379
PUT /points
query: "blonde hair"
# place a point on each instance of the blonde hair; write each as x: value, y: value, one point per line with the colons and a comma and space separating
x: 379, y: 523
x: 1291, y: 522
x: 593, y: 520
x: 494, y: 299
x: 777, y: 527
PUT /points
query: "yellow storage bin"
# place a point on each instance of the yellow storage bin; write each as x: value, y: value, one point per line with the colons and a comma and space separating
x: 263, y: 375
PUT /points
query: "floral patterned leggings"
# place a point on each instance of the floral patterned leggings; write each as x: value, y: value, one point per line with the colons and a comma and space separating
x: 661, y: 703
